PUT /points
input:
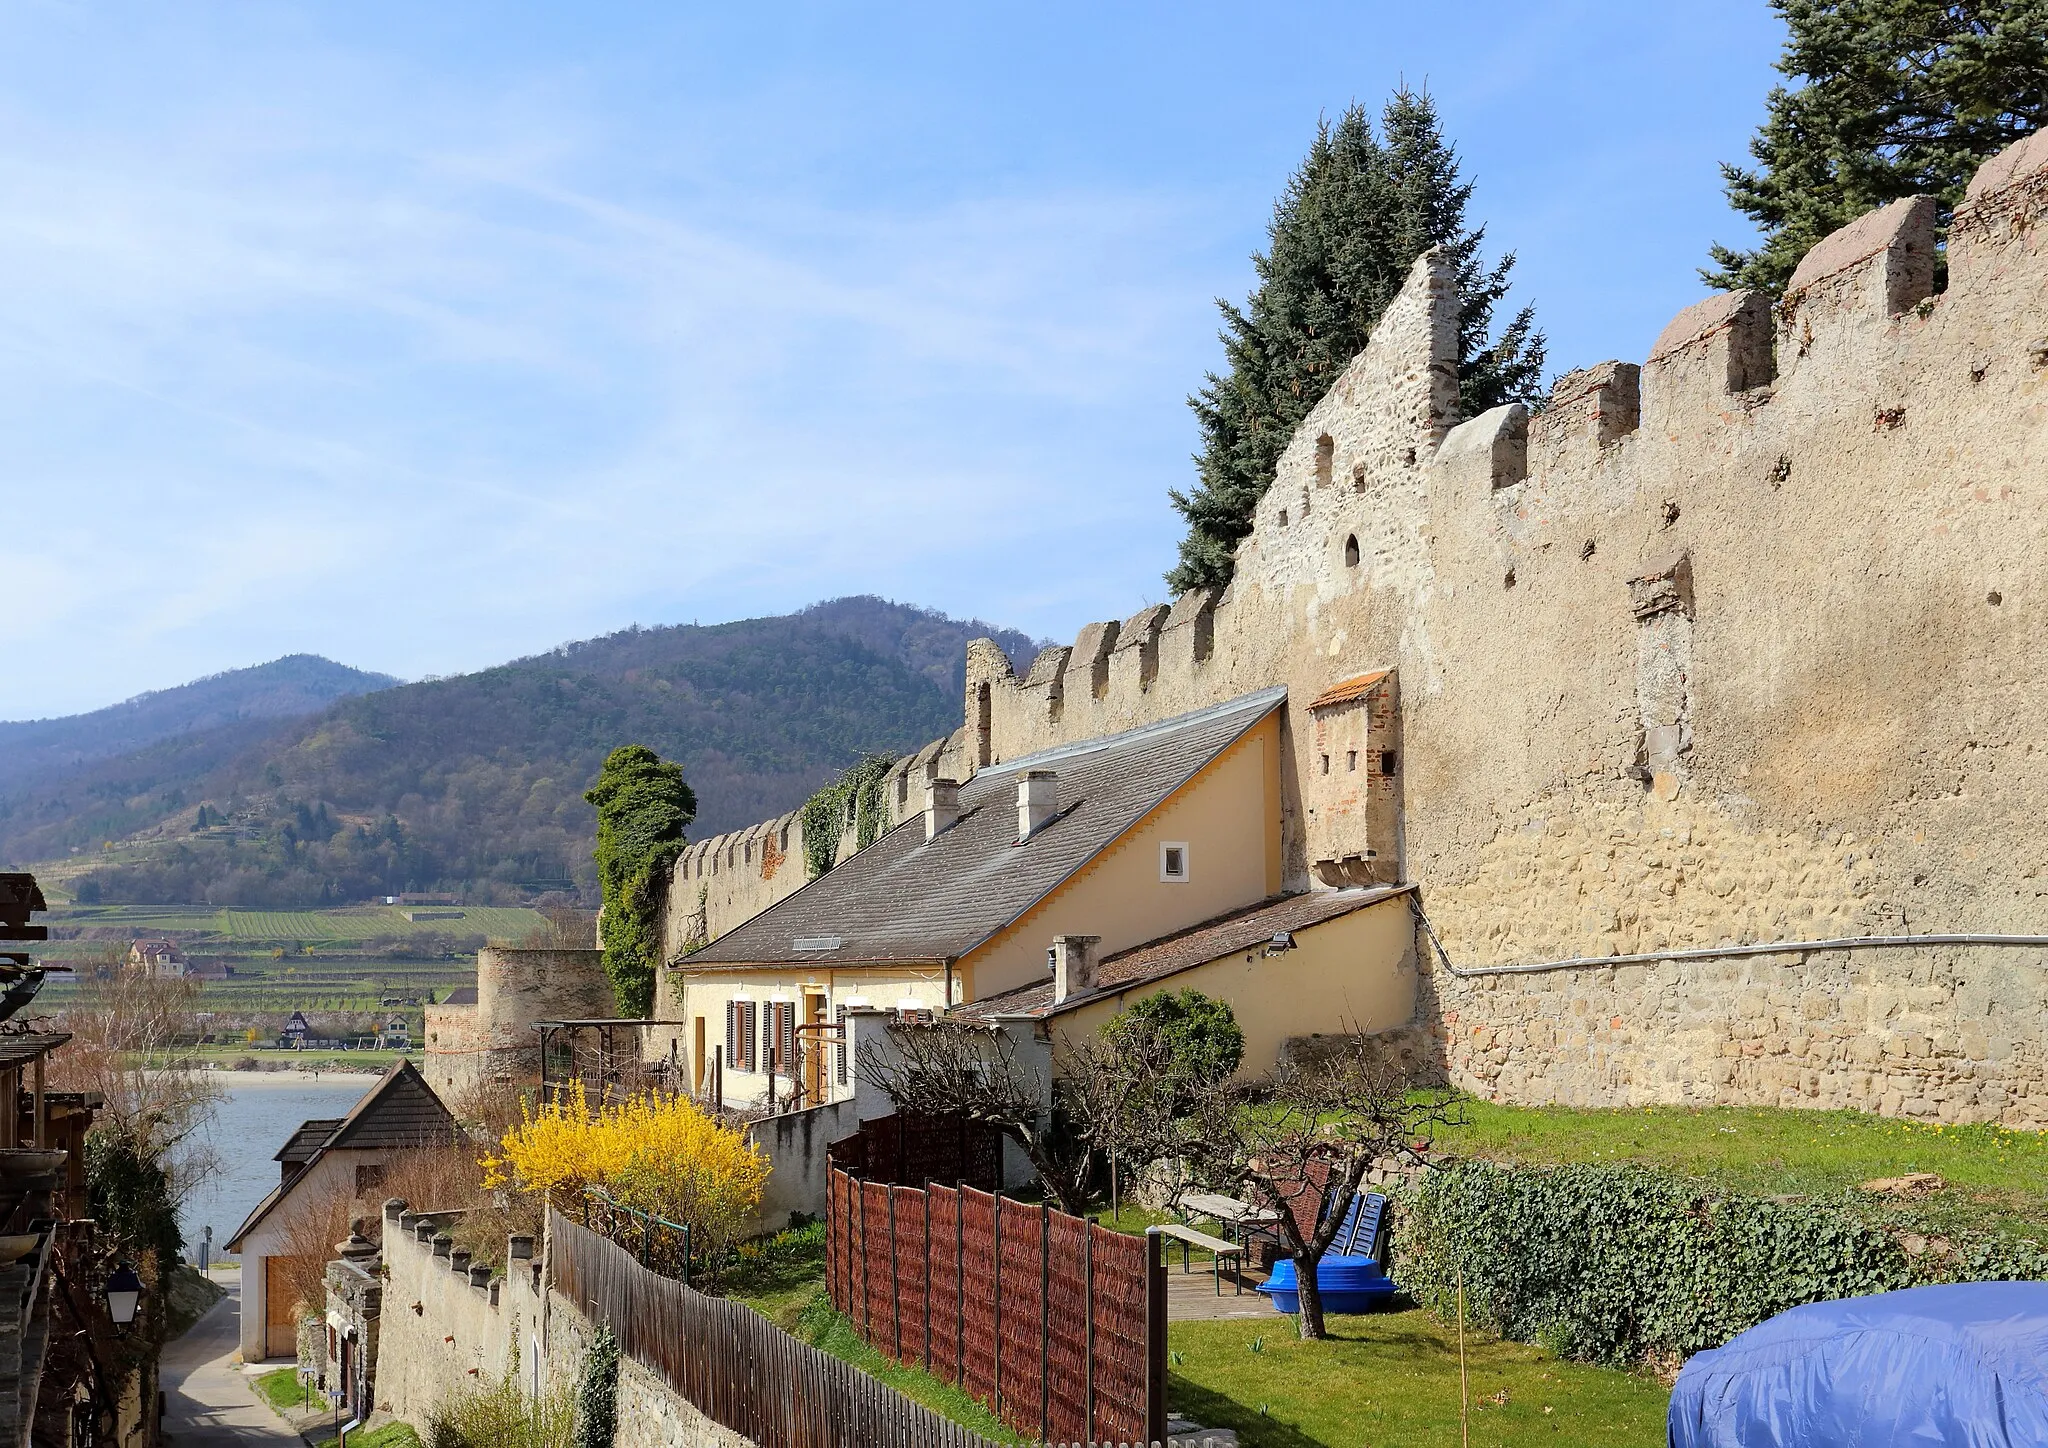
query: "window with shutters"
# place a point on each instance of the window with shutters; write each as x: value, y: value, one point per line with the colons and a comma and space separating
x: 742, y: 1054
x: 839, y: 1052
x: 732, y: 1034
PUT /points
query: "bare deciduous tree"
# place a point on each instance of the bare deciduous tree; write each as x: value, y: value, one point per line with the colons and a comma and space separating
x: 132, y: 1042
x: 962, y: 1068
x: 1299, y: 1140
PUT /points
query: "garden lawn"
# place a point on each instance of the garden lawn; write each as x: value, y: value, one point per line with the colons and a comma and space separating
x: 1997, y: 1176
x: 281, y: 1389
x: 1392, y: 1379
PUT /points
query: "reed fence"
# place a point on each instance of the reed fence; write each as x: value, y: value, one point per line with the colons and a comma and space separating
x: 1058, y: 1325
x: 733, y: 1365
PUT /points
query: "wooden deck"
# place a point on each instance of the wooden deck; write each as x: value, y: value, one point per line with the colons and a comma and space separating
x: 1191, y: 1296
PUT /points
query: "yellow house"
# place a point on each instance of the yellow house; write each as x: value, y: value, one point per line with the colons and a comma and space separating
x: 1089, y: 851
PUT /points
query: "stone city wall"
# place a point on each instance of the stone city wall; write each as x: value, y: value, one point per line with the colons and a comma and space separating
x: 446, y: 1327
x: 1733, y: 645
x: 493, y: 1043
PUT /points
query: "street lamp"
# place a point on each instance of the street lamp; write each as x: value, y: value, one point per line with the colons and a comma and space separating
x: 124, y: 1295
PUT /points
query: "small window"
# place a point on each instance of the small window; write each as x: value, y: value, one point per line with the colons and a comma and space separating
x: 1173, y: 864
x: 1326, y: 457
x: 1351, y: 551
x: 1326, y: 764
x: 369, y: 1178
x: 1283, y: 517
x: 1387, y: 762
x: 1052, y: 959
x: 1351, y: 760
x: 1358, y: 477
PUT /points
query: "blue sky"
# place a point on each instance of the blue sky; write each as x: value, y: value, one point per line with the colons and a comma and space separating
x: 424, y: 337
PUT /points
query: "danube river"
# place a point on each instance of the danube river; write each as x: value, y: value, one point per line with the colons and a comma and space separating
x: 255, y: 1119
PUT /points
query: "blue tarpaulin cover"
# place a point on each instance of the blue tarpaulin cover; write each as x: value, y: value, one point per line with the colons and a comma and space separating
x: 1960, y: 1366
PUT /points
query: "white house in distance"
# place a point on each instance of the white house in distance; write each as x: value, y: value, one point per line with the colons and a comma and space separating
x: 326, y: 1156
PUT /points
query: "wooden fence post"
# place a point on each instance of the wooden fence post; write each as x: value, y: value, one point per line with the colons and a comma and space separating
x: 895, y: 1278
x: 960, y: 1286
x: 1088, y: 1302
x: 1155, y: 1339
x: 927, y: 1274
x: 1044, y: 1321
x: 996, y: 1291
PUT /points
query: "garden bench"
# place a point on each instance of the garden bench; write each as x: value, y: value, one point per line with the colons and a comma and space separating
x: 1217, y: 1248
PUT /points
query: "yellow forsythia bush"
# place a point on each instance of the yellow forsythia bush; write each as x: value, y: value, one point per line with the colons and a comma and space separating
x: 659, y: 1154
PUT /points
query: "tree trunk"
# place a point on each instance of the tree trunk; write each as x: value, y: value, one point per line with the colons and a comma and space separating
x: 1310, y: 1318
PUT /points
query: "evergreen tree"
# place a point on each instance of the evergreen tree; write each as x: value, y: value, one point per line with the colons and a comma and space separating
x: 1897, y: 98
x: 1350, y: 224
x: 643, y: 806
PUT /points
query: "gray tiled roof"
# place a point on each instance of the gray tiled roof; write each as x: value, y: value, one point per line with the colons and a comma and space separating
x: 1248, y: 929
x: 905, y: 898
x: 401, y: 1110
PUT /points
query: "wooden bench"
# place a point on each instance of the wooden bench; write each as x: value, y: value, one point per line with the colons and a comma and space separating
x: 1217, y: 1248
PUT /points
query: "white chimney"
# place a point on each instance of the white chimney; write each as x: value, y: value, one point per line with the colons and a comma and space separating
x: 1037, y: 799
x: 1073, y: 965
x: 941, y: 807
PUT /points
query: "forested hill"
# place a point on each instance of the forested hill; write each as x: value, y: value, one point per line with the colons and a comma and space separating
x: 38, y: 751
x: 476, y: 783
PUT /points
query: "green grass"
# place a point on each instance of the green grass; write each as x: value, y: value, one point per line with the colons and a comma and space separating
x: 281, y: 1389
x: 391, y: 1435
x: 778, y: 1276
x: 1997, y: 1176
x: 1392, y: 1378
x: 824, y: 1328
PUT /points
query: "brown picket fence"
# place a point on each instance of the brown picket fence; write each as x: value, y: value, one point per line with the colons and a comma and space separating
x: 1058, y: 1325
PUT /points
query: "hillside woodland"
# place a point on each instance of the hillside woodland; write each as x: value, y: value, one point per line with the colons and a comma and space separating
x: 476, y: 783
x: 205, y: 712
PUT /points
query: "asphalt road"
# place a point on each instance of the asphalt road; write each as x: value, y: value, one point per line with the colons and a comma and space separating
x: 208, y: 1398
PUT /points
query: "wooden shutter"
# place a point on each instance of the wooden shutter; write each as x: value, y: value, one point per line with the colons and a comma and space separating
x: 747, y: 1013
x: 839, y: 1052
x: 785, y: 1035
x: 732, y: 1034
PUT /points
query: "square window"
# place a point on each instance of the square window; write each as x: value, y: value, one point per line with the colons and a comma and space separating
x: 1173, y: 863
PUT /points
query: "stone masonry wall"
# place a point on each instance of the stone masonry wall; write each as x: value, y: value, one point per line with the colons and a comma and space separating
x: 1738, y: 644
x: 493, y: 1042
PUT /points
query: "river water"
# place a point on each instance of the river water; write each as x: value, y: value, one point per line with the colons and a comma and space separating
x: 254, y: 1120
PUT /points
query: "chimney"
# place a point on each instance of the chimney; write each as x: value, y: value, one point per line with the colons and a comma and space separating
x: 1073, y: 965
x: 1037, y: 798
x: 941, y: 807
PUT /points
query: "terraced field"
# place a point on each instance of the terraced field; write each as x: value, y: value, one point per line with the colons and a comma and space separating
x: 354, y: 924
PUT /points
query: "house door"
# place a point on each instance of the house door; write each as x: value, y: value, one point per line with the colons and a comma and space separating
x: 280, y: 1319
x: 348, y: 1371
x: 697, y: 1056
x: 815, y: 1088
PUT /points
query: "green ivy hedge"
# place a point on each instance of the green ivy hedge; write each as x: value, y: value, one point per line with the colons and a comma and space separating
x: 1622, y: 1264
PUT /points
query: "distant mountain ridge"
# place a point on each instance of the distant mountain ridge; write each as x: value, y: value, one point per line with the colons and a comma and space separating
x: 286, y: 688
x: 475, y: 783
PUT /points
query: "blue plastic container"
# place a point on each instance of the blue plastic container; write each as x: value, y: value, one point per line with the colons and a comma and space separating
x: 1348, y: 1284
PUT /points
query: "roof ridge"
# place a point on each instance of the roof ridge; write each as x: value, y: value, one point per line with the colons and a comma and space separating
x: 1266, y: 697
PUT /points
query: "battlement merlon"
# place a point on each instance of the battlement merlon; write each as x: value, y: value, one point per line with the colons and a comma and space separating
x: 1381, y: 485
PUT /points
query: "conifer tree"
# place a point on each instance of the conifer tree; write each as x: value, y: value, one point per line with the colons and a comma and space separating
x: 1352, y: 221
x: 1895, y: 98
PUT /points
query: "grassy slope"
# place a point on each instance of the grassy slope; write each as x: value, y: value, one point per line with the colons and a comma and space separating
x: 1998, y: 1177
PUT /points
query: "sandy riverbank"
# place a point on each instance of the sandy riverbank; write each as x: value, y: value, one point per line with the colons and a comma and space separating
x: 238, y: 1080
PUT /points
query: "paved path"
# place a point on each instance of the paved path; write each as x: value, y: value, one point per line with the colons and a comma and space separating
x: 208, y: 1399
